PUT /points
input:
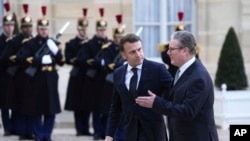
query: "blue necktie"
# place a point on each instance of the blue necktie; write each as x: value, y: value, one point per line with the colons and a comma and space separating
x: 133, y: 82
x: 176, y: 77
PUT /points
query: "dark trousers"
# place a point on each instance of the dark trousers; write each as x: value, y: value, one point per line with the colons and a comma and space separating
x: 25, y: 125
x: 99, y: 124
x: 43, y: 126
x: 6, y: 120
x: 119, y: 134
x: 81, y: 122
x: 9, y: 121
x: 142, y: 136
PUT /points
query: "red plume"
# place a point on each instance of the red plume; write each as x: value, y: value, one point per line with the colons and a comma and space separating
x: 7, y: 6
x: 44, y: 10
x: 101, y: 10
x: 84, y: 10
x: 119, y: 19
x: 25, y: 8
x: 180, y: 16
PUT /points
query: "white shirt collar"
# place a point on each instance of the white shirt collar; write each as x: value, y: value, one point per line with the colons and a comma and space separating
x: 186, y: 65
x: 130, y: 67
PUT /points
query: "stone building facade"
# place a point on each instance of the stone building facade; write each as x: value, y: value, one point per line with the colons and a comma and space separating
x: 212, y: 21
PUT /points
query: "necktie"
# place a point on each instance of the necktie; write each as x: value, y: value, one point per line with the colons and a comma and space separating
x: 176, y: 77
x: 133, y: 82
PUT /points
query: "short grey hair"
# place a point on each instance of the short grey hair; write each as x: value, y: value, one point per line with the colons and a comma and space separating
x: 185, y: 39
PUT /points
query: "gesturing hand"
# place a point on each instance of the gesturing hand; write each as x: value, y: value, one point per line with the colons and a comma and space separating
x: 146, y: 101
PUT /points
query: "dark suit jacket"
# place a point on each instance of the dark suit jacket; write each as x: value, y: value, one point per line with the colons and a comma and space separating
x: 190, y: 106
x: 154, y: 77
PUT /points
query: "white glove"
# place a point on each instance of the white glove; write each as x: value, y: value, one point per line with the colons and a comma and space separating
x: 46, y: 59
x: 52, y: 46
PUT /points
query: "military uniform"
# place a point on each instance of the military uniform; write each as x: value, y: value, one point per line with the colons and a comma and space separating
x: 43, y: 54
x: 113, y: 59
x: 75, y: 98
x: 91, y: 57
x: 5, y: 78
x: 16, y: 89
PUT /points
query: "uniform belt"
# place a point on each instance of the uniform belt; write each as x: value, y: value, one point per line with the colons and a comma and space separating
x: 47, y: 68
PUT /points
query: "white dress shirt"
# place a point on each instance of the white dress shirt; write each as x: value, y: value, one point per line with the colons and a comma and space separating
x: 185, y: 66
x: 129, y: 74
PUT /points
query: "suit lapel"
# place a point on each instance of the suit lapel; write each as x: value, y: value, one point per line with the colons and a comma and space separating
x: 144, y: 76
x: 183, y: 78
x: 121, y: 83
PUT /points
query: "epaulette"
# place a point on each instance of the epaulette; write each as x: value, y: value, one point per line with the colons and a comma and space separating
x: 106, y: 45
x: 161, y: 47
x: 111, y: 66
x: 10, y: 38
x: 29, y: 60
x: 13, y: 58
x: 72, y: 60
x: 198, y: 48
x: 90, y: 61
x: 26, y: 39
x: 84, y: 41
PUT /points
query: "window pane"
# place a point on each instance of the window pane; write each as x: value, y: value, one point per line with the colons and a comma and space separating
x: 1, y: 14
x: 150, y: 39
x: 147, y: 11
x: 154, y: 18
x: 175, y: 6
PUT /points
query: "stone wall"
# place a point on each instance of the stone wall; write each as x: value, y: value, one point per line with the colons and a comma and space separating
x: 214, y: 17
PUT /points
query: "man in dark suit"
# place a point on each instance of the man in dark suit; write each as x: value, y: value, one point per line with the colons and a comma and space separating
x: 189, y: 106
x: 130, y: 81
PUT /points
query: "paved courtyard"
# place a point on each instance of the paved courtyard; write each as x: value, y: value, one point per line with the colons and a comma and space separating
x: 64, y: 127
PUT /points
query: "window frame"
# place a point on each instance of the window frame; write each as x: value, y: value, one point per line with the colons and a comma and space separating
x: 163, y: 24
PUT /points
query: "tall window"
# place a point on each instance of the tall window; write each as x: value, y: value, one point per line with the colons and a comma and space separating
x: 158, y: 19
x: 1, y: 14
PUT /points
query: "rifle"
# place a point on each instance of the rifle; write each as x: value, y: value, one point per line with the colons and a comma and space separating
x: 138, y: 32
x: 31, y: 71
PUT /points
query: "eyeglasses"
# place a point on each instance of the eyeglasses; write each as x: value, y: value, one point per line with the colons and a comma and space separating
x: 173, y: 48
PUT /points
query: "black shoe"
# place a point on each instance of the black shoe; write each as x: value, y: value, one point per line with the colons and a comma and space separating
x: 10, y: 133
x: 30, y: 137
x: 26, y: 137
x: 22, y: 137
x: 98, y: 137
x: 46, y: 140
x: 7, y: 134
x: 84, y: 134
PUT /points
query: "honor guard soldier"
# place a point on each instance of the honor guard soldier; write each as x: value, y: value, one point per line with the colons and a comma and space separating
x: 8, y: 22
x: 91, y: 57
x: 42, y: 53
x: 113, y: 60
x: 163, y: 48
x: 17, y: 71
x: 75, y: 92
